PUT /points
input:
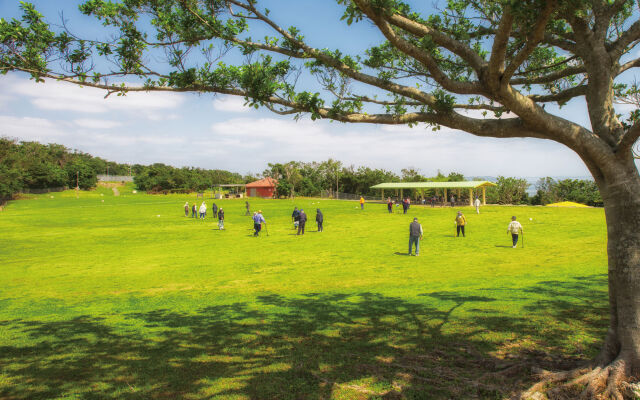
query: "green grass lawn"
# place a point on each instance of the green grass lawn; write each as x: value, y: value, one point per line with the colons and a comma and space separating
x: 124, y: 297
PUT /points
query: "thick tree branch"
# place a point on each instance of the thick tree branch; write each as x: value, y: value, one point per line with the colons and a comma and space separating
x: 533, y: 40
x: 499, y: 49
x: 629, y: 138
x: 560, y: 97
x: 456, y: 47
x: 340, y: 66
x: 620, y: 46
x: 551, y: 77
x: 423, y: 57
x: 628, y: 65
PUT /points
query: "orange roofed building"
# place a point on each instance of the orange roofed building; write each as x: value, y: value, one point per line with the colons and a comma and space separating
x: 265, y: 188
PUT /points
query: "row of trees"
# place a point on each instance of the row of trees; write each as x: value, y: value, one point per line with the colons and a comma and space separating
x: 161, y: 178
x: 31, y: 165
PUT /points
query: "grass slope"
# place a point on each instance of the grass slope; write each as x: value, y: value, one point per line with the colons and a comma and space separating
x: 124, y: 297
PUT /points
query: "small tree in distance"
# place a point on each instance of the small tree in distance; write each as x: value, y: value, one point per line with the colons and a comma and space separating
x: 496, y: 57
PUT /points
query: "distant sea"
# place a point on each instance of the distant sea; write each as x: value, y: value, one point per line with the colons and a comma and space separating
x: 532, y: 180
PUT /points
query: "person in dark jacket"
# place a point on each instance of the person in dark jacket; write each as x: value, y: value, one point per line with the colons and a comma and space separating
x: 389, y: 205
x: 214, y: 209
x: 302, y: 220
x: 415, y: 235
x: 221, y: 219
x: 194, y: 210
x: 319, y: 219
x: 246, y: 205
x: 405, y: 205
x: 295, y: 217
x: 186, y: 209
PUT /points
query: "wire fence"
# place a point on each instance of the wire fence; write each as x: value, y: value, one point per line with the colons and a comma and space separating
x: 328, y: 194
x: 43, y: 190
x: 115, y: 178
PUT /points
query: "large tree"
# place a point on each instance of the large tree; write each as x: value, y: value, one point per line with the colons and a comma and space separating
x: 509, y: 58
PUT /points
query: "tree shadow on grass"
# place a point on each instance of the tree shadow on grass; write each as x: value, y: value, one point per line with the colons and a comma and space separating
x: 313, y: 346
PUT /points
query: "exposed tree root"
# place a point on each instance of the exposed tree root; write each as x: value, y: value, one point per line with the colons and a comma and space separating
x: 610, y: 382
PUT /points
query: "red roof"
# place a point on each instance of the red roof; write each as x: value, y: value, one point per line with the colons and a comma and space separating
x: 265, y: 182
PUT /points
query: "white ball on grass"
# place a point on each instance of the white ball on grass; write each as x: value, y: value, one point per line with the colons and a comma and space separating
x: 530, y: 219
x: 102, y: 201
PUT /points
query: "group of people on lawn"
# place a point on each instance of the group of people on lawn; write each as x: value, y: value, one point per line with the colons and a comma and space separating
x: 201, y: 212
x: 299, y: 219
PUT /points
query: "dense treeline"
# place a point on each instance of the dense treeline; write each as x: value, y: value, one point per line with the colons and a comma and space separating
x: 31, y: 165
x: 163, y: 178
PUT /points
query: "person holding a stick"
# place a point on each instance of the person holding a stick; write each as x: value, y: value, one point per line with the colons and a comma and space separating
x: 258, y: 220
x: 415, y: 235
x: 515, y: 228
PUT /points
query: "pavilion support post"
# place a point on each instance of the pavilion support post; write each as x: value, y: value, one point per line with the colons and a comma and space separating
x: 444, y: 200
x: 471, y: 197
x: 401, y: 195
x: 396, y: 193
x: 421, y: 195
x: 484, y: 196
x: 458, y: 192
x: 382, y: 194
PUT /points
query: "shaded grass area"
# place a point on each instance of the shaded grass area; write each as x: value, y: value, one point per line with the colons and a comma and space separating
x: 113, y: 301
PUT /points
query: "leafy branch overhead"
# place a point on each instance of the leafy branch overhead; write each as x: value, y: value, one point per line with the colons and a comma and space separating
x: 493, y: 56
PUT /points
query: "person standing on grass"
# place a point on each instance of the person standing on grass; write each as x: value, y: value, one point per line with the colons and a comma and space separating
x: 415, y: 235
x: 203, y: 210
x: 221, y: 219
x: 194, y: 210
x: 389, y: 205
x: 319, y: 219
x: 461, y: 221
x: 303, y: 222
x: 246, y: 205
x: 433, y: 201
x: 404, y: 206
x: 514, y: 229
x: 258, y: 220
x: 477, y: 204
x: 361, y: 203
x: 295, y: 217
x: 453, y: 201
x: 214, y: 209
x: 186, y: 209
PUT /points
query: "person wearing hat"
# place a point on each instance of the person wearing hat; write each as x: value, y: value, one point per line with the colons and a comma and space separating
x: 461, y: 221
x: 319, y: 219
x: 203, y: 210
x: 415, y: 235
x: 302, y: 221
x: 221, y: 219
x: 258, y: 220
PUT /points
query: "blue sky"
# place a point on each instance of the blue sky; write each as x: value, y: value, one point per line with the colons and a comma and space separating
x: 219, y: 132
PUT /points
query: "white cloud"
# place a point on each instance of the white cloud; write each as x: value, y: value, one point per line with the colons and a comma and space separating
x: 31, y: 129
x: 59, y: 96
x: 234, y: 104
x: 96, y: 123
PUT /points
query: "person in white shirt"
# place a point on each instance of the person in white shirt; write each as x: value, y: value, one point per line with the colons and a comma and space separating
x: 514, y: 229
x: 477, y: 204
x: 203, y: 210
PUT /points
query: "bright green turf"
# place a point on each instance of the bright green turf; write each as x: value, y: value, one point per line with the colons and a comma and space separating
x: 127, y: 298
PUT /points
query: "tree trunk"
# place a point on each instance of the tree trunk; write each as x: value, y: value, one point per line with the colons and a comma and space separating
x: 621, y: 195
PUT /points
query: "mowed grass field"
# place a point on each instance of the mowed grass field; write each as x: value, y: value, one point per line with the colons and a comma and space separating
x: 123, y: 297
